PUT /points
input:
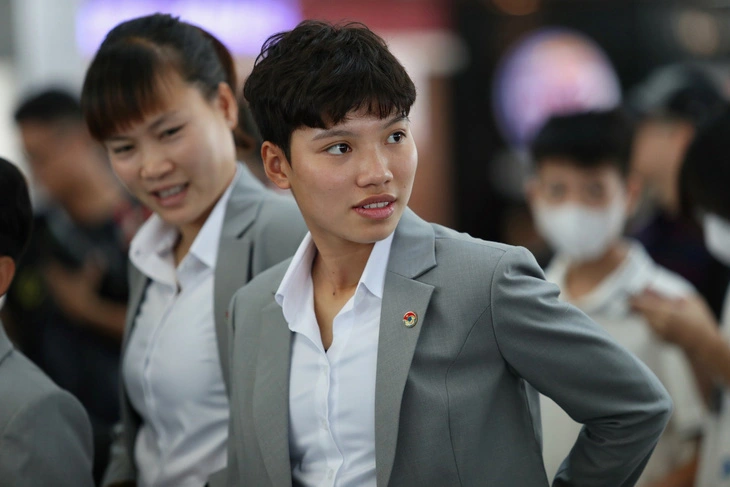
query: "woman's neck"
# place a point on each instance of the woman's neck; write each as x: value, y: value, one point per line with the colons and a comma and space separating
x: 189, y: 231
x: 339, y: 270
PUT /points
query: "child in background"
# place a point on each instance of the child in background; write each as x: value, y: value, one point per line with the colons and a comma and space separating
x: 581, y: 196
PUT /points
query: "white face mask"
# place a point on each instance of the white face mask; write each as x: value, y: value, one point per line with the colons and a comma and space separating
x: 717, y: 237
x: 580, y: 232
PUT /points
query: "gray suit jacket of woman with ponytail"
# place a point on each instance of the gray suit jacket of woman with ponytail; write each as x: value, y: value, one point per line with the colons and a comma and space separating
x: 260, y: 229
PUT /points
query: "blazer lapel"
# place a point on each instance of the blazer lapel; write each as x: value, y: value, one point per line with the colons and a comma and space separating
x: 130, y: 419
x: 411, y: 255
x: 234, y: 256
x: 137, y: 287
x: 231, y: 273
x: 271, y: 394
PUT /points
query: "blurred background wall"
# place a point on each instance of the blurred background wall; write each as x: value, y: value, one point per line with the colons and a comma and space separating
x: 482, y: 81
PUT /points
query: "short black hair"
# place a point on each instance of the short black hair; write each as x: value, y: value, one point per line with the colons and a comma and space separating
x: 317, y: 73
x: 588, y: 139
x: 16, y: 212
x: 705, y: 173
x: 678, y: 91
x: 124, y: 80
x: 49, y: 106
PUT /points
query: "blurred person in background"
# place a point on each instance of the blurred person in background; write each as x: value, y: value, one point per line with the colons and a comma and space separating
x: 688, y: 322
x: 45, y: 435
x: 581, y: 195
x: 159, y: 96
x: 69, y: 296
x: 671, y: 105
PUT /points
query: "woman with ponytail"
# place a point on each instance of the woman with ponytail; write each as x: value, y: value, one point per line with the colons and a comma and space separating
x: 159, y: 95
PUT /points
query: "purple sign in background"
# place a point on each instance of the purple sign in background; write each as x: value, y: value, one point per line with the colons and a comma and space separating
x: 551, y: 71
x: 242, y: 25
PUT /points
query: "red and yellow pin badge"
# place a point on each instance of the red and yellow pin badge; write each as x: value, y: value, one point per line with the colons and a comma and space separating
x: 410, y: 319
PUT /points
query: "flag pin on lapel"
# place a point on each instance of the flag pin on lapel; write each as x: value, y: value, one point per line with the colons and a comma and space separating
x: 410, y: 319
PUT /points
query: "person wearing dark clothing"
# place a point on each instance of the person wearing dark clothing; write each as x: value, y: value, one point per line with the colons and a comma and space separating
x: 671, y: 105
x: 66, y: 307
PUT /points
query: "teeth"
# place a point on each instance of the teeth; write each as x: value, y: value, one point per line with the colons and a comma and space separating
x: 382, y: 204
x: 171, y: 191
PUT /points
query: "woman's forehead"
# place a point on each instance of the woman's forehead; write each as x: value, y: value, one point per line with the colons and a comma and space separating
x: 168, y: 95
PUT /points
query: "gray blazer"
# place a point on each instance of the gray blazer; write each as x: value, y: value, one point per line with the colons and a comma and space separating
x: 260, y: 229
x: 45, y: 435
x: 455, y: 400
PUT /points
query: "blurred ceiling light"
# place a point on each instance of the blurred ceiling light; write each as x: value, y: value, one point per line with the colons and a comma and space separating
x: 550, y: 71
x: 242, y: 25
x: 697, y: 32
x: 517, y: 7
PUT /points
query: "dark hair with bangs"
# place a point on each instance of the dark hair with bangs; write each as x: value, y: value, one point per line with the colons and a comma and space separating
x: 16, y: 212
x: 588, y: 139
x: 317, y: 73
x: 124, y: 79
x: 705, y: 173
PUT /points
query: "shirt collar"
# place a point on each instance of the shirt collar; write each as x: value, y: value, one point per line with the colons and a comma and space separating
x: 297, y: 278
x: 156, y: 238
x: 373, y: 276
x: 151, y: 249
x: 205, y: 245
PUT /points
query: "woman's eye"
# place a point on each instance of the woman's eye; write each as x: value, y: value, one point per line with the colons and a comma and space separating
x: 172, y: 131
x: 396, y: 137
x: 121, y: 149
x: 339, y: 149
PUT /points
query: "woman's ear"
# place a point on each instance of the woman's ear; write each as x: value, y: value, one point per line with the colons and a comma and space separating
x: 228, y: 104
x: 276, y: 165
x: 7, y: 272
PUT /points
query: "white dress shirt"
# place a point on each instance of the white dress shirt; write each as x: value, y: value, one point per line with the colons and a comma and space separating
x: 332, y: 393
x: 171, y: 367
x: 608, y: 305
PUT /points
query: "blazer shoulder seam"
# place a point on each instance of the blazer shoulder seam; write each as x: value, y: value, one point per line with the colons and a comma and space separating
x: 468, y: 239
x: 495, y: 272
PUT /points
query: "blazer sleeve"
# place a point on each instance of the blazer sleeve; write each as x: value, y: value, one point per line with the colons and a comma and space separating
x: 47, y: 441
x: 566, y: 356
